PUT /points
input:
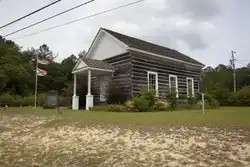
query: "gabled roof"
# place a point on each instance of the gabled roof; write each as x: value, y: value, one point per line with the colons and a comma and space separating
x: 98, y: 64
x: 153, y: 48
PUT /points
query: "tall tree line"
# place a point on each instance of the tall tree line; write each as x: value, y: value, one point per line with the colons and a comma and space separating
x: 17, y: 73
x: 17, y: 70
x: 219, y: 82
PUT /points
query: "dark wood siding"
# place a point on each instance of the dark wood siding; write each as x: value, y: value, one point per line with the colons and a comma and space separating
x: 141, y: 64
x: 121, y: 76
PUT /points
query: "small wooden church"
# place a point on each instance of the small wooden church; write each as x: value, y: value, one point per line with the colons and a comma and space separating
x: 134, y: 64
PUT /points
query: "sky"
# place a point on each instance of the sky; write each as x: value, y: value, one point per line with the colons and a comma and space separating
x: 206, y: 30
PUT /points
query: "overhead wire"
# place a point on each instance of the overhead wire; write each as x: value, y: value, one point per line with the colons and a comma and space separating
x: 80, y: 19
x: 49, y: 18
x: 32, y: 13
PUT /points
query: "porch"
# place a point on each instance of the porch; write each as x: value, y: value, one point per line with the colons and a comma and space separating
x: 88, y: 67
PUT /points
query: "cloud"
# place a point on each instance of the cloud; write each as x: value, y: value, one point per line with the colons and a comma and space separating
x: 165, y: 22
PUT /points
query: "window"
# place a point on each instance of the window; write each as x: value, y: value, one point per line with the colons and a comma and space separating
x: 173, y: 83
x: 153, y: 81
x: 190, y: 87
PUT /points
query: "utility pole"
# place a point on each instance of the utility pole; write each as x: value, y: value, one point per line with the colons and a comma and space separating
x: 233, y: 67
x: 36, y: 81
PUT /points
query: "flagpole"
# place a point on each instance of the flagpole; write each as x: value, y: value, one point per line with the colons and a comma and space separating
x: 36, y: 81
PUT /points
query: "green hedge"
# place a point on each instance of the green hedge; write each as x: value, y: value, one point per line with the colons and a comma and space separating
x: 17, y: 101
x: 241, y: 98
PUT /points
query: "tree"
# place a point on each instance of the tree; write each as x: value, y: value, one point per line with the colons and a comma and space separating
x: 45, y: 53
x: 82, y: 54
x: 248, y: 65
x: 15, y: 72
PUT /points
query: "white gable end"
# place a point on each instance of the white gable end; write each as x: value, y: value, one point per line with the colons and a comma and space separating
x: 79, y: 65
x: 106, y: 46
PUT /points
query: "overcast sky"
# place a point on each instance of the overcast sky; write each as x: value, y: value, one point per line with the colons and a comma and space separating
x: 206, y: 30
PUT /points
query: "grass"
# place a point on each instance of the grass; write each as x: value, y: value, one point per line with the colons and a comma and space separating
x: 225, y: 117
x: 31, y: 137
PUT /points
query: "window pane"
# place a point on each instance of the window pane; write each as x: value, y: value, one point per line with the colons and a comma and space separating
x: 152, y: 81
x: 173, y: 82
x: 189, y: 86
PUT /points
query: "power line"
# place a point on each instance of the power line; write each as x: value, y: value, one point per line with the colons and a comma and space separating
x: 23, y: 17
x: 51, y: 17
x: 80, y: 19
x: 241, y: 62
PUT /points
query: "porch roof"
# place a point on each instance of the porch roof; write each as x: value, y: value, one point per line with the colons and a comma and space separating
x: 93, y: 64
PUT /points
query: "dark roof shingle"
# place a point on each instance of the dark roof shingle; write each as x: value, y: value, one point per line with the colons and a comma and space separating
x: 92, y: 63
x: 150, y: 47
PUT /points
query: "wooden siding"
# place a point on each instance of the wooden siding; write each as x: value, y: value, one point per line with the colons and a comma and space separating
x: 121, y: 76
x: 143, y: 63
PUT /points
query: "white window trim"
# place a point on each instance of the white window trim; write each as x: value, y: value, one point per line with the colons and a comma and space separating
x: 156, y: 80
x: 188, y: 78
x: 176, y: 82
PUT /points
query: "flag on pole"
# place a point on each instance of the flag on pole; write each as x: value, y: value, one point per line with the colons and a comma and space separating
x: 43, y: 62
x: 41, y: 72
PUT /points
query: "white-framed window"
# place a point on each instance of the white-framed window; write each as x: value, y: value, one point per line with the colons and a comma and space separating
x: 173, y: 84
x: 190, y: 86
x: 153, y: 81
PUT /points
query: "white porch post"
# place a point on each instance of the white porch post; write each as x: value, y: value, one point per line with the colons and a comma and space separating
x: 89, y: 97
x: 75, y: 99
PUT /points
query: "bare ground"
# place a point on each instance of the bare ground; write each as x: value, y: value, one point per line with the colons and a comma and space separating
x: 28, y: 141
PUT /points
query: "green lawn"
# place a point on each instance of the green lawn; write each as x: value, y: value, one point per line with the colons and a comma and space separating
x: 228, y: 117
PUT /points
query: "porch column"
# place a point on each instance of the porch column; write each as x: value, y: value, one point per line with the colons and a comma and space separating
x: 89, y: 97
x: 75, y: 99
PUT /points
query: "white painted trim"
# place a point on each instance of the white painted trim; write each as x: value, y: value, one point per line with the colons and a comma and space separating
x: 162, y: 56
x: 156, y: 80
x: 98, y: 37
x: 90, y: 68
x: 188, y: 78
x: 79, y: 70
x: 100, y: 69
x: 176, y: 82
x: 77, y: 63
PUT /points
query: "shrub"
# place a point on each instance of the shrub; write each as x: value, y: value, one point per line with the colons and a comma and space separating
x: 212, y: 102
x: 162, y: 105
x: 222, y: 95
x: 17, y: 101
x: 244, y: 96
x: 129, y: 105
x: 233, y: 100
x: 241, y: 98
x: 116, y: 108
x: 140, y: 104
x: 6, y: 99
x: 171, y: 97
x: 199, y: 105
x: 41, y: 99
x: 149, y: 96
x: 191, y: 100
x: 46, y: 106
x: 28, y: 101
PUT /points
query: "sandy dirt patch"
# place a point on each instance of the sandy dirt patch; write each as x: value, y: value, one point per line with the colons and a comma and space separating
x: 26, y: 141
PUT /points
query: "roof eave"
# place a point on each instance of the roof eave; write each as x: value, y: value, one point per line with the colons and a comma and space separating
x: 165, y: 57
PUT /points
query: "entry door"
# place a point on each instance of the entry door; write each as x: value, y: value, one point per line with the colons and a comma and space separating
x: 104, y: 80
